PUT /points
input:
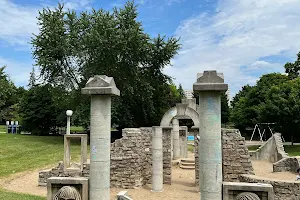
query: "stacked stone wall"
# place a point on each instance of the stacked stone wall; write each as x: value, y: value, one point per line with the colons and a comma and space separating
x: 236, y: 158
x: 131, y: 160
x: 289, y: 190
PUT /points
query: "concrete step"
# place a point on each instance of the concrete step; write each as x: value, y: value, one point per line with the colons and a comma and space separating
x: 188, y: 160
x: 187, y: 167
x: 187, y: 164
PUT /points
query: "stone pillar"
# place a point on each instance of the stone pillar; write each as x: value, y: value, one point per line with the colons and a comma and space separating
x: 69, y: 114
x: 210, y: 84
x: 100, y: 88
x: 176, y: 145
x: 157, y: 160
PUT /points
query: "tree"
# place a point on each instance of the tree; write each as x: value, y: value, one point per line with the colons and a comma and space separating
x: 225, y: 111
x: 181, y: 92
x: 293, y: 69
x: 43, y: 108
x: 246, y: 105
x: 32, y: 78
x: 8, y: 96
x: 283, y: 107
x: 71, y: 47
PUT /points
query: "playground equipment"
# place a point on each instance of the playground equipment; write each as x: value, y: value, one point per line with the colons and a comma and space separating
x: 261, y: 135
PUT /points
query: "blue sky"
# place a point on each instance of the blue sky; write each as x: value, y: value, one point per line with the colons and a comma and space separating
x: 241, y: 38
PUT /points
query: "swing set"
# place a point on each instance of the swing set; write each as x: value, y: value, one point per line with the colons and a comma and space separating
x: 261, y: 135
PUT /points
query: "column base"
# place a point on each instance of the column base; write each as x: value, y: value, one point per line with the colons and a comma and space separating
x: 157, y: 190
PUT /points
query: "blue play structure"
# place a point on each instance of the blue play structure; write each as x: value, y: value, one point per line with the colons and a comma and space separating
x: 190, y: 138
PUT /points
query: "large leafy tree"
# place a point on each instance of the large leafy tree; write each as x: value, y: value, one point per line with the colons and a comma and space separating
x: 43, y: 109
x: 246, y: 105
x: 282, y: 106
x: 8, y: 97
x: 72, y: 47
x: 293, y: 68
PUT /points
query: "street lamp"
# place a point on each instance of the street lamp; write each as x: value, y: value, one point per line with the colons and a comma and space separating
x: 69, y: 114
x: 7, y: 126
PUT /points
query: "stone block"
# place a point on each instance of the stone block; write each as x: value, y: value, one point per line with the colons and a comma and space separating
x: 236, y: 191
x: 74, y: 186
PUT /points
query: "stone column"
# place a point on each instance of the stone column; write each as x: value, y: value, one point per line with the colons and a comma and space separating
x: 176, y: 145
x: 210, y: 84
x: 100, y: 88
x: 157, y: 160
x: 69, y: 114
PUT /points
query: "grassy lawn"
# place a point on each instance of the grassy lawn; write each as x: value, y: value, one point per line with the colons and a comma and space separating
x: 76, y: 129
x: 24, y: 152
x: 190, y: 148
x: 16, y: 196
x: 2, y: 128
x: 291, y: 150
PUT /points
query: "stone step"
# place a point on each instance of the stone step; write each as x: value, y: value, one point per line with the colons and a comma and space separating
x: 187, y: 167
x: 188, y: 160
x: 187, y: 164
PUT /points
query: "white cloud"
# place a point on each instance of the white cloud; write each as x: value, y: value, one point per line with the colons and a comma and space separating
x: 17, y: 23
x: 18, y: 72
x: 170, y: 2
x: 77, y: 4
x: 234, y: 40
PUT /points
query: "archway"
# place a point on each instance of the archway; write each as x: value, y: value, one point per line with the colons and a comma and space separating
x: 185, y: 110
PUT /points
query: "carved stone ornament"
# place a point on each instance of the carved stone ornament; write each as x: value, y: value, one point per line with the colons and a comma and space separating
x: 247, y: 196
x: 67, y: 193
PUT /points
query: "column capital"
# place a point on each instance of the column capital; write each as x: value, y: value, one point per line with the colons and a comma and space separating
x: 101, y: 85
x: 210, y: 81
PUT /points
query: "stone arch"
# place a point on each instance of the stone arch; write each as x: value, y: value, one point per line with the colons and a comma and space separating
x: 180, y: 111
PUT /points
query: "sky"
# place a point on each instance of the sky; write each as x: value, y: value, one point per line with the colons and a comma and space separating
x: 243, y: 39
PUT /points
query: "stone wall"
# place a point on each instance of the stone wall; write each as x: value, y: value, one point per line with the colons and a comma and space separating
x: 236, y: 158
x: 272, y: 150
x: 131, y: 160
x: 287, y: 190
x: 290, y: 164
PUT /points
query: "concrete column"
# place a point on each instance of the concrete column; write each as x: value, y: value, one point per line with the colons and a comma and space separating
x: 210, y: 84
x: 176, y: 145
x: 157, y: 160
x: 100, y: 88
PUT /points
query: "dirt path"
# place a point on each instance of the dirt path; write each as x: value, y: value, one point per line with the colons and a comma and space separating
x: 263, y: 168
x: 183, y: 186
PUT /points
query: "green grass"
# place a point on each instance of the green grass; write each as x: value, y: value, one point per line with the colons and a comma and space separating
x: 291, y: 150
x: 20, y: 153
x: 76, y: 129
x: 2, y: 128
x: 253, y: 148
x: 190, y: 148
x: 16, y: 196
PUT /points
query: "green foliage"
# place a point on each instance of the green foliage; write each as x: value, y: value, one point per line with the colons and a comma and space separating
x: 43, y: 108
x: 282, y: 106
x: 247, y: 104
x: 72, y: 47
x: 293, y: 69
x: 225, y: 111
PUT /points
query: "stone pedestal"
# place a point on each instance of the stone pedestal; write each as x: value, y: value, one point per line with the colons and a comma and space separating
x: 210, y: 84
x: 176, y: 145
x: 157, y: 160
x: 100, y: 88
x: 67, y: 151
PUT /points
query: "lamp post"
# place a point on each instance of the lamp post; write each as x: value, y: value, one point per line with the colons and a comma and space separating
x: 69, y: 114
x: 7, y: 125
x: 16, y: 123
